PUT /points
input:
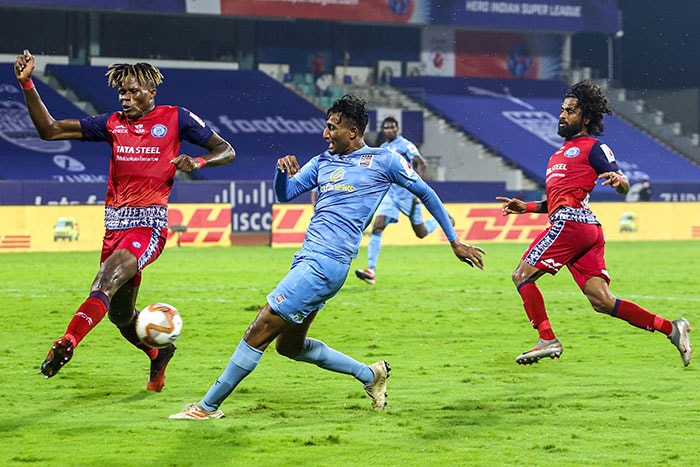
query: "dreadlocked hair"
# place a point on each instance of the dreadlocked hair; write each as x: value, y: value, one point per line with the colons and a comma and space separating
x: 594, y: 105
x: 353, y: 108
x: 146, y: 74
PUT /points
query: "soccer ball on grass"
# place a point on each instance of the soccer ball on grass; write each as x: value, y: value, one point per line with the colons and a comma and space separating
x: 158, y: 325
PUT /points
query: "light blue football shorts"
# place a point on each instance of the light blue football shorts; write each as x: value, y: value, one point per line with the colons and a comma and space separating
x: 392, y: 204
x: 312, y: 280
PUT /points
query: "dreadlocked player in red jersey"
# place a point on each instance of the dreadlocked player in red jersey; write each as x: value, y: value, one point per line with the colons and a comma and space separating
x: 145, y: 142
x: 575, y: 237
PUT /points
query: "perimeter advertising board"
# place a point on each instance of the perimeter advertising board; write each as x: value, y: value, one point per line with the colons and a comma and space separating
x: 483, y: 223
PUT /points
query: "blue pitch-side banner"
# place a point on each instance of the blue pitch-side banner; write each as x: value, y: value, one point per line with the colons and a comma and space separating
x: 25, y: 156
x: 537, y: 15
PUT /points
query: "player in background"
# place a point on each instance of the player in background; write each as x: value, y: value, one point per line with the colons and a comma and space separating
x: 145, y: 142
x: 352, y: 179
x: 575, y: 237
x: 397, y: 200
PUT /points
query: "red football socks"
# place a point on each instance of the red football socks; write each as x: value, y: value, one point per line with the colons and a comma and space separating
x: 89, y: 314
x: 641, y: 318
x: 533, y: 302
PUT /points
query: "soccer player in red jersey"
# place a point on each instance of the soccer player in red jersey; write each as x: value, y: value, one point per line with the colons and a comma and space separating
x: 575, y: 238
x: 145, y: 141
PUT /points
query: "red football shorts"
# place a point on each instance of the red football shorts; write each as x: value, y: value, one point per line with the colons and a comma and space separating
x: 146, y: 243
x: 579, y: 246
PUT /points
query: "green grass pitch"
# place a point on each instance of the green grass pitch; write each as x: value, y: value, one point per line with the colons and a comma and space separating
x: 618, y: 395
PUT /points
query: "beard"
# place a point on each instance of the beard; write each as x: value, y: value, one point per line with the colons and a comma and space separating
x: 570, y: 130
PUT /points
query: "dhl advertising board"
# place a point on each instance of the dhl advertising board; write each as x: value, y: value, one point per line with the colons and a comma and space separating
x: 80, y: 227
x: 480, y: 223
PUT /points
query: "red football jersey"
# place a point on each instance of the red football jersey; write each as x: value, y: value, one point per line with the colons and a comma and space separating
x: 140, y: 170
x: 573, y: 170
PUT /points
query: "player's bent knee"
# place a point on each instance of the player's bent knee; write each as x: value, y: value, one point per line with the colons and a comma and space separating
x: 120, y: 317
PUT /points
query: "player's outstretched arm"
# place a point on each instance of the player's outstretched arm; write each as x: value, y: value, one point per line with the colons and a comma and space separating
x: 47, y: 127
x: 617, y: 180
x: 468, y: 253
x: 518, y: 206
x: 220, y: 153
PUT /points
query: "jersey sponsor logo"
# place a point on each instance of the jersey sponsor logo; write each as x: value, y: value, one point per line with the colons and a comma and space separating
x: 572, y: 152
x: 608, y: 152
x: 159, y: 130
x: 119, y: 129
x: 279, y: 298
x: 556, y: 167
x: 336, y: 187
x: 337, y: 175
x: 366, y: 160
x: 139, y: 129
x: 138, y: 150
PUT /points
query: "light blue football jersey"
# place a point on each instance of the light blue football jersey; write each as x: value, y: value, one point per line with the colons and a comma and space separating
x: 350, y: 189
x: 408, y: 151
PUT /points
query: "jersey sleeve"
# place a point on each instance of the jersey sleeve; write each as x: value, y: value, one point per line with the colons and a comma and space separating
x: 94, y: 128
x: 400, y: 171
x: 412, y: 150
x: 602, y: 158
x: 305, y: 180
x: 191, y: 128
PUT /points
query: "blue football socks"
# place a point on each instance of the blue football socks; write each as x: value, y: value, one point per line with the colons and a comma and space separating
x: 373, y: 249
x: 243, y: 361
x: 320, y: 354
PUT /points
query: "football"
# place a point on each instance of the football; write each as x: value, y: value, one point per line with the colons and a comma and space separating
x: 158, y: 325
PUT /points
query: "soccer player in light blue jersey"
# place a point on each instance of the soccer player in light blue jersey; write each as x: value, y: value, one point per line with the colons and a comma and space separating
x: 352, y: 179
x: 397, y: 200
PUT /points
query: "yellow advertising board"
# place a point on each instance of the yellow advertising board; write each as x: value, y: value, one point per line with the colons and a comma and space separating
x: 484, y: 222
x: 81, y: 227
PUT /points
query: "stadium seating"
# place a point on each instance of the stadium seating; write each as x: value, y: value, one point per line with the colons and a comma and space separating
x: 518, y: 120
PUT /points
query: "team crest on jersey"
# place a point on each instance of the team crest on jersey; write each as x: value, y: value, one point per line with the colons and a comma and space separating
x: 366, y: 160
x: 572, y: 152
x: 337, y: 175
x: 608, y: 152
x: 159, y: 130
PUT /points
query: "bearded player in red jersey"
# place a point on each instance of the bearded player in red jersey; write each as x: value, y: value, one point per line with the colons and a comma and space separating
x: 575, y: 237
x: 145, y: 142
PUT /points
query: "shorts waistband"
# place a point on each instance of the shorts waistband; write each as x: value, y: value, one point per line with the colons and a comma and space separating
x: 129, y: 217
x: 567, y: 213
